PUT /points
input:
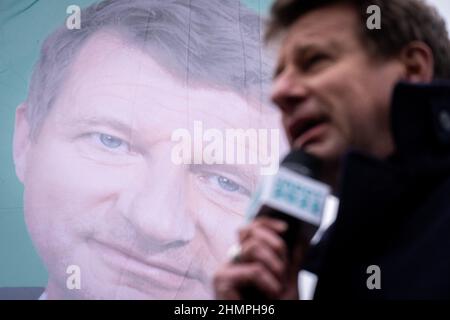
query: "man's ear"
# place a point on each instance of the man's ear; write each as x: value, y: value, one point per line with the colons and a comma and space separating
x: 417, y: 58
x: 21, y: 141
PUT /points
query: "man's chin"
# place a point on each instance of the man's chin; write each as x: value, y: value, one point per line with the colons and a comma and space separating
x: 107, y: 292
x: 324, y: 151
x: 330, y: 155
x: 102, y: 283
x: 148, y: 293
x: 116, y: 274
x: 130, y: 294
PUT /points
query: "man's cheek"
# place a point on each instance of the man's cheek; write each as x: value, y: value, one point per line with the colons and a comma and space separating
x: 63, y: 184
x: 221, y: 227
x: 91, y: 178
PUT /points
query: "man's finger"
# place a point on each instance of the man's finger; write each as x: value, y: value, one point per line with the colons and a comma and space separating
x: 230, y: 280
x: 253, y: 250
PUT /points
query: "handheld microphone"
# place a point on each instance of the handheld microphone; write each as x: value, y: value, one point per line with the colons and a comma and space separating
x: 293, y: 195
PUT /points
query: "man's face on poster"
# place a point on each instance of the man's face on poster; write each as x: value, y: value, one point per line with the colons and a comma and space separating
x: 102, y: 193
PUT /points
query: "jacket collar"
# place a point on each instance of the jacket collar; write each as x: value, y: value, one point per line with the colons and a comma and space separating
x: 420, y: 119
x: 371, y: 189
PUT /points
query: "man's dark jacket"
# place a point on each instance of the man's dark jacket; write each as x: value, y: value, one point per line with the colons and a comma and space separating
x: 395, y: 214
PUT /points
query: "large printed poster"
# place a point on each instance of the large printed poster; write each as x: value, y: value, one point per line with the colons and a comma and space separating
x: 133, y: 133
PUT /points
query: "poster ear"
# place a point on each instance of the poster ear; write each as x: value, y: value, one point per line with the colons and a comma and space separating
x: 21, y: 141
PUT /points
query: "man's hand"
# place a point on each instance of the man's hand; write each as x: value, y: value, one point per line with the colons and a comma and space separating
x: 263, y: 263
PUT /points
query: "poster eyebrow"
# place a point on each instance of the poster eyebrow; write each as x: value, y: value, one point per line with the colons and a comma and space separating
x: 104, y: 121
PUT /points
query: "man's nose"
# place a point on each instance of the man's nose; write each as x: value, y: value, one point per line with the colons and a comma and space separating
x: 288, y: 90
x: 159, y: 210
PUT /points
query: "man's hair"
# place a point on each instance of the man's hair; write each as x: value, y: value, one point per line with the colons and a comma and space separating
x: 402, y: 22
x: 214, y: 43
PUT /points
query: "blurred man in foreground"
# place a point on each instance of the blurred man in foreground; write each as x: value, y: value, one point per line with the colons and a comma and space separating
x: 368, y: 103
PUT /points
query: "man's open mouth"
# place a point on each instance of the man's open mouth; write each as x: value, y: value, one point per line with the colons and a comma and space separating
x: 306, y: 129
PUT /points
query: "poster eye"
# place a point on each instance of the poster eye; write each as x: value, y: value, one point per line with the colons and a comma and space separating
x: 110, y: 141
x: 227, y: 184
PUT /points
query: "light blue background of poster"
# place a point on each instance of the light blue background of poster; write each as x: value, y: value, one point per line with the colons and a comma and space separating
x: 24, y: 24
